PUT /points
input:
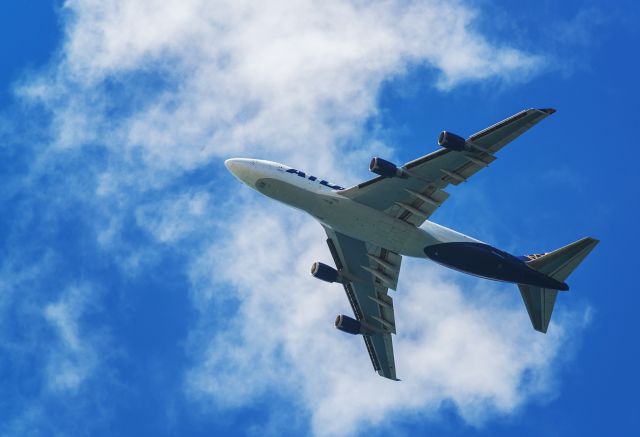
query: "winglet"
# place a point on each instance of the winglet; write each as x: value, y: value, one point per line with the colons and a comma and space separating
x: 548, y: 110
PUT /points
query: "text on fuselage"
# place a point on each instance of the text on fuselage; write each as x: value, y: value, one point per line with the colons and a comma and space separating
x: 313, y: 178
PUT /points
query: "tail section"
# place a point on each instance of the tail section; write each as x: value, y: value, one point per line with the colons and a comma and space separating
x: 557, y: 264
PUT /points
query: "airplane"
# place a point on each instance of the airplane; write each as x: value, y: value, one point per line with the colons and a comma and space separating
x: 370, y: 227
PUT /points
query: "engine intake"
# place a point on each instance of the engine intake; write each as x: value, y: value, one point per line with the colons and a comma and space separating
x: 452, y: 141
x: 325, y: 272
x: 349, y: 325
x: 384, y: 168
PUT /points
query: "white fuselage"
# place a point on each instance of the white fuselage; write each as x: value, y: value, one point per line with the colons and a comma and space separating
x: 324, y: 202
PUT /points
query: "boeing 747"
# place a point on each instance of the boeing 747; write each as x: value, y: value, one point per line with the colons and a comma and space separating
x: 372, y: 225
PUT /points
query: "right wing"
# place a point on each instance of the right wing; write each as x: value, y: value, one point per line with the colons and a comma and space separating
x: 369, y: 272
x: 414, y: 198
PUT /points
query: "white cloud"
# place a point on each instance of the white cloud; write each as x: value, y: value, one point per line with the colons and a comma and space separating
x: 171, y: 86
x: 475, y: 350
x: 283, y: 79
x: 176, y: 217
x: 72, y: 357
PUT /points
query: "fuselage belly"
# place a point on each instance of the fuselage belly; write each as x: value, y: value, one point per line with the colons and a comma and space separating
x: 351, y: 218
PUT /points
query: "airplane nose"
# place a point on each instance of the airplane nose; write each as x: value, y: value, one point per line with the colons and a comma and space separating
x: 242, y: 169
x: 236, y: 166
x: 230, y: 164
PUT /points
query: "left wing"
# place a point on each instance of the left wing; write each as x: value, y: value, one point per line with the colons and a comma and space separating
x: 416, y: 195
x: 369, y: 272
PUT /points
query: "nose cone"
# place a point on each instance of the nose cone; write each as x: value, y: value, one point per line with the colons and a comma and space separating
x: 230, y: 164
x: 243, y: 169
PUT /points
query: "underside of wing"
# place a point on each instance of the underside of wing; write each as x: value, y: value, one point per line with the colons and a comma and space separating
x: 367, y: 272
x: 417, y: 189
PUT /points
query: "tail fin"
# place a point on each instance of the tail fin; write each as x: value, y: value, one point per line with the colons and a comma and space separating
x: 558, y: 264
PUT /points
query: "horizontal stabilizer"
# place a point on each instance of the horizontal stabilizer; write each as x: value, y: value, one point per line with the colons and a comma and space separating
x: 539, y: 303
x: 561, y: 262
x: 557, y: 264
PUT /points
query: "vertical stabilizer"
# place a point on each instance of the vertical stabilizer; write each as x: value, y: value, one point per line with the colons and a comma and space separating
x: 558, y: 264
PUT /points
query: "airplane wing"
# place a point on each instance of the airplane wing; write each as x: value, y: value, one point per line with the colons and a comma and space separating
x: 369, y: 272
x: 416, y: 195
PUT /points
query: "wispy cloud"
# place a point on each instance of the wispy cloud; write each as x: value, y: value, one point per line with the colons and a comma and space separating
x: 174, y: 218
x: 55, y: 354
x: 476, y: 349
x: 73, y: 356
x: 172, y: 85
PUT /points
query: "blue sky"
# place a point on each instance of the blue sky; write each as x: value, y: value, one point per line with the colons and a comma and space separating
x: 144, y: 292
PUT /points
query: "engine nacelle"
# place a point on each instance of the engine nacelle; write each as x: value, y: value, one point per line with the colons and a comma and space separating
x: 384, y: 168
x: 453, y: 142
x: 325, y: 272
x: 349, y: 325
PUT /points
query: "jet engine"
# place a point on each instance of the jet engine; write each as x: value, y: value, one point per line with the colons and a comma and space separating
x: 452, y: 141
x: 325, y: 272
x: 349, y: 325
x: 384, y: 168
